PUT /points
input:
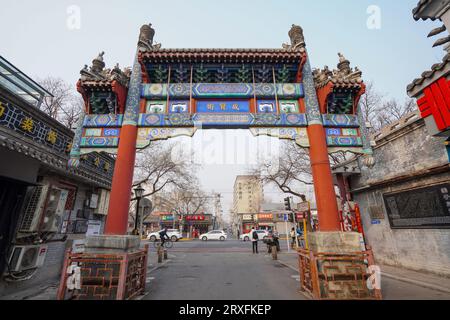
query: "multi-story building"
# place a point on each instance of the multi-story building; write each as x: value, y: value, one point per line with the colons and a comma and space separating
x: 44, y: 205
x: 247, y: 198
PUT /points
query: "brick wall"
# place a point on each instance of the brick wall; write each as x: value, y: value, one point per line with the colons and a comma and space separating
x: 404, y: 151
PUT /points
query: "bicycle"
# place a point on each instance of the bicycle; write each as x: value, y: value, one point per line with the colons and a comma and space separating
x: 168, y: 244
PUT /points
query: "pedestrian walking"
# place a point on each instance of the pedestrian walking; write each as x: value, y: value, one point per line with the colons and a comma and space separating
x: 255, y: 238
x: 292, y: 233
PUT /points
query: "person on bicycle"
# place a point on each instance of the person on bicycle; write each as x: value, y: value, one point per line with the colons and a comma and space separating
x: 163, y: 235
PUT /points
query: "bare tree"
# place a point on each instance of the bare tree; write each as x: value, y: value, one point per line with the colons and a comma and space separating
x: 65, y: 105
x: 292, y: 172
x: 370, y: 103
x: 188, y: 202
x: 159, y: 168
x: 393, y: 111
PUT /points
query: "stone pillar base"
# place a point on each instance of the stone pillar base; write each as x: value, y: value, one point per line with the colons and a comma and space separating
x: 110, y: 268
x: 336, y: 266
x: 334, y: 242
x: 106, y: 244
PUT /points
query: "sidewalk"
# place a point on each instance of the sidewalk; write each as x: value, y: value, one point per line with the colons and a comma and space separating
x: 425, y: 280
x: 49, y: 290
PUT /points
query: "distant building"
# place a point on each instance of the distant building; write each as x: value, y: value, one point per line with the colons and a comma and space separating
x: 247, y: 198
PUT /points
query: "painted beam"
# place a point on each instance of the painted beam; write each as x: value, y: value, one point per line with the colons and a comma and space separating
x: 222, y: 90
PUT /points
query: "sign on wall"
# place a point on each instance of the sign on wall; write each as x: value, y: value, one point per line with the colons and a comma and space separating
x: 419, y: 208
x: 223, y: 106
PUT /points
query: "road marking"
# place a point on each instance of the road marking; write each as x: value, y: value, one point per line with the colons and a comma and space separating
x: 296, y: 277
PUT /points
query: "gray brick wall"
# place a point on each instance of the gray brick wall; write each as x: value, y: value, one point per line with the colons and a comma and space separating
x: 404, y: 152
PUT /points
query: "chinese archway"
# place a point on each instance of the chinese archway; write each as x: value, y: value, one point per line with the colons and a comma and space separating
x: 173, y: 92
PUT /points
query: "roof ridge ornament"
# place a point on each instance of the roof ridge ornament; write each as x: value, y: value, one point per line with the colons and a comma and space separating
x: 97, y: 72
x: 297, y: 39
x: 146, y: 35
x: 343, y: 75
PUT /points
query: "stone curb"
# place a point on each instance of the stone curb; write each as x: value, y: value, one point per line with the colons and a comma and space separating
x: 395, y: 277
x: 416, y: 282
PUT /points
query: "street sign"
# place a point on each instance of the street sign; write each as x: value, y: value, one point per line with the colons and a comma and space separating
x: 303, y: 206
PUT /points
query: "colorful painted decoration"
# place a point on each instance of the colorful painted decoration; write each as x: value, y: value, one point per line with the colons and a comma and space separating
x: 349, y: 132
x: 179, y: 107
x: 146, y: 135
x: 230, y: 120
x: 344, y: 141
x: 154, y: 90
x: 156, y: 107
x: 103, y: 120
x: 222, y: 90
x: 267, y: 106
x: 340, y: 120
x: 217, y: 90
x: 99, y: 142
x: 333, y: 131
x: 300, y: 135
x: 151, y: 120
x: 288, y: 106
x: 293, y: 119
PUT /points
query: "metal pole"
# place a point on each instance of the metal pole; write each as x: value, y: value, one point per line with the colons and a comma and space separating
x: 305, y: 234
x: 136, y: 231
x: 287, y: 235
x: 295, y: 223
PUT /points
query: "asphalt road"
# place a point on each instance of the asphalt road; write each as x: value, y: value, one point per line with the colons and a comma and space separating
x: 216, y: 270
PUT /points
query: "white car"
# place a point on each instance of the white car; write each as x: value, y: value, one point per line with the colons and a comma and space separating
x: 262, y: 234
x: 174, y: 235
x: 214, y: 235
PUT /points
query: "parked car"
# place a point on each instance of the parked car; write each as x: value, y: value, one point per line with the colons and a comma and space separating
x: 174, y: 235
x: 262, y: 234
x: 214, y: 235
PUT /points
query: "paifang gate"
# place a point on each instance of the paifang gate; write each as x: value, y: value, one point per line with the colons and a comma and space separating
x: 173, y: 92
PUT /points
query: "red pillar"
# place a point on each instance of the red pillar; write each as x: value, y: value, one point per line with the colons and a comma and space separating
x: 117, y: 220
x: 323, y: 180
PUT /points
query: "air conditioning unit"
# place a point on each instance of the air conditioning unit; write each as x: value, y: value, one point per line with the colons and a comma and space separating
x: 54, y: 211
x: 33, y: 210
x: 27, y: 257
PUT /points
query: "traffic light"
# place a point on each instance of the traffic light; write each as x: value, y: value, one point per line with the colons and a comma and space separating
x: 287, y: 204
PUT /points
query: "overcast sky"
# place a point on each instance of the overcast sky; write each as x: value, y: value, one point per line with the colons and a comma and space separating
x: 44, y: 38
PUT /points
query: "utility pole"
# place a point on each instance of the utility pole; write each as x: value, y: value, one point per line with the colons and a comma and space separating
x: 217, y: 211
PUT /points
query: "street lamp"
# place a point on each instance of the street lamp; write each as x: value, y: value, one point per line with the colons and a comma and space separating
x: 138, y: 192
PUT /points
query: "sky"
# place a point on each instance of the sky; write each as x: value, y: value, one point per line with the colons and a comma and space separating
x: 58, y: 38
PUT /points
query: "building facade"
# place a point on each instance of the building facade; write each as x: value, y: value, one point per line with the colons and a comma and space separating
x: 44, y: 205
x: 247, y: 198
x: 404, y: 199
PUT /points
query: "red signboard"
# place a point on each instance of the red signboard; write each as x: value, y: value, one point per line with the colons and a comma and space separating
x: 265, y: 216
x: 195, y: 218
x: 300, y: 216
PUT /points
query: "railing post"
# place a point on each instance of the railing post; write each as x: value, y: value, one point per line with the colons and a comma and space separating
x: 63, y: 279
